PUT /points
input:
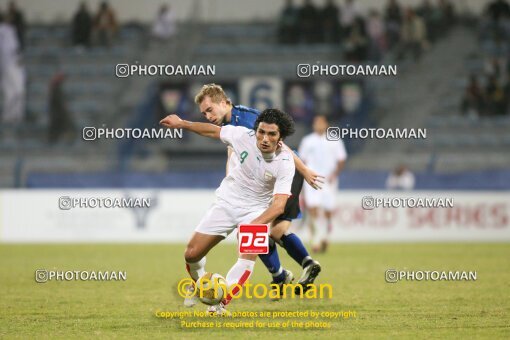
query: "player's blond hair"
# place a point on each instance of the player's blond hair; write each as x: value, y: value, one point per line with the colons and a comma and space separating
x: 215, y: 92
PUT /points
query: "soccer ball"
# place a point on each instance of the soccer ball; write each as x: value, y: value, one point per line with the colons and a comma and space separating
x: 211, y: 288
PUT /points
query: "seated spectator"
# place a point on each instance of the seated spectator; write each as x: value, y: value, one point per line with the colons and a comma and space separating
x: 12, y: 75
x: 105, y: 25
x: 448, y: 14
x: 473, y: 100
x: 308, y: 23
x: 15, y: 18
x: 400, y: 179
x: 377, y: 35
x: 164, y: 26
x: 493, y: 67
x: 438, y: 28
x: 288, y: 24
x: 426, y: 12
x: 348, y: 16
x: 356, y: 45
x: 498, y: 9
x: 413, y: 36
x: 506, y: 90
x: 60, y: 119
x: 82, y: 26
x: 330, y: 25
x: 495, y: 94
x: 393, y: 18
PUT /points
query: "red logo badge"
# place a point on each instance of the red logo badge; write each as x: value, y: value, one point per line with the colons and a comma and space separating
x: 253, y: 238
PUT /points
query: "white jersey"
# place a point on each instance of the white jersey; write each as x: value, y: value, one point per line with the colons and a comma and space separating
x: 320, y: 154
x: 8, y: 46
x: 405, y: 181
x: 252, y: 180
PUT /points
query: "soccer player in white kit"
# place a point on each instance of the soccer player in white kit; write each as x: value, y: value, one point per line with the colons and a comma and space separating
x: 255, y: 190
x: 326, y: 157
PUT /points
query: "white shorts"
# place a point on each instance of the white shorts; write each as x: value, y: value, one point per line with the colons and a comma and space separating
x: 222, y: 219
x: 323, y: 198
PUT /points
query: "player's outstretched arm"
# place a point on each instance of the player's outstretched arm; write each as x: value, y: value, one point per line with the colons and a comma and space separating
x: 273, y: 211
x: 203, y: 129
x: 311, y: 177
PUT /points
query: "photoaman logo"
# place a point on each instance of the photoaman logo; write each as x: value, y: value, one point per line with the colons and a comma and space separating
x: 253, y: 238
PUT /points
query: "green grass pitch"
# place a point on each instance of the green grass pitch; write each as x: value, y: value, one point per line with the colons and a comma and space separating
x: 409, y: 309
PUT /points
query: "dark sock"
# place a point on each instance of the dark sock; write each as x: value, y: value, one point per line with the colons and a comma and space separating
x: 272, y: 262
x: 295, y: 248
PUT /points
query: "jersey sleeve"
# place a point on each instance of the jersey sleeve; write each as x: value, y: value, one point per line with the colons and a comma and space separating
x: 230, y: 135
x: 284, y: 178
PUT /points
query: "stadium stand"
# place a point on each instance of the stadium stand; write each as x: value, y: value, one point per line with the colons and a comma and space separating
x: 92, y: 93
x: 454, y: 144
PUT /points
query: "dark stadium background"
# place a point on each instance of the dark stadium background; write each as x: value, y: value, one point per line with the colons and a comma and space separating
x: 462, y: 151
x: 453, y: 80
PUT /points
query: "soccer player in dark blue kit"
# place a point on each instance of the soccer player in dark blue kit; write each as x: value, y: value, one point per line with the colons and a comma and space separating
x: 218, y: 109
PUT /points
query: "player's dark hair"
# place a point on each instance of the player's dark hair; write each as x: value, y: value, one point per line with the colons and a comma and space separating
x: 274, y: 116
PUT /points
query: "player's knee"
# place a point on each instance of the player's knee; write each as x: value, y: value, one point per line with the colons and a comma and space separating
x: 276, y: 235
x: 191, y: 255
x: 279, y: 228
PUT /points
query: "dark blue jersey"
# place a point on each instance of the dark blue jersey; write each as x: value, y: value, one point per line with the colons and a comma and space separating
x: 243, y: 116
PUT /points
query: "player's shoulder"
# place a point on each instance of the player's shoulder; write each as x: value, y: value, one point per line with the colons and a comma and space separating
x: 238, y: 129
x: 285, y: 156
x: 246, y: 110
x: 244, y: 116
x: 284, y: 163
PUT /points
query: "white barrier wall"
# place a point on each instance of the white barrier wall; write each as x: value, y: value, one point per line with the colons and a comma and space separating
x: 35, y: 216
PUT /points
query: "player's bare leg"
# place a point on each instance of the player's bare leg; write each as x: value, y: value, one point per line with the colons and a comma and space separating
x: 278, y: 228
x: 295, y: 248
x: 198, y: 246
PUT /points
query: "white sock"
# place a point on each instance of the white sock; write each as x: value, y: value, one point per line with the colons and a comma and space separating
x: 238, y: 274
x: 196, y: 269
x: 278, y: 273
